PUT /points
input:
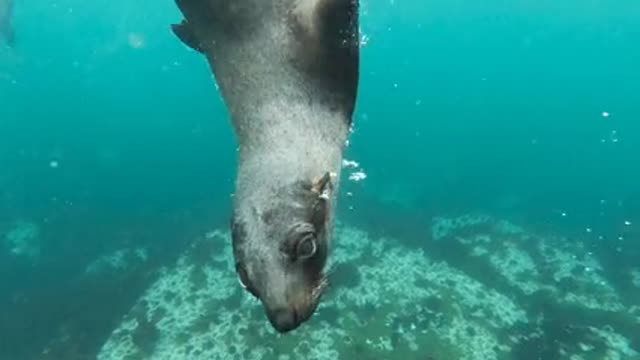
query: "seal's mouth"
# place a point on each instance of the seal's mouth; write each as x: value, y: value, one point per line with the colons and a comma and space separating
x: 289, y: 318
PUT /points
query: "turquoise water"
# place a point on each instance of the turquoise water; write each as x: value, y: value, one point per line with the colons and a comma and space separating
x: 113, y: 136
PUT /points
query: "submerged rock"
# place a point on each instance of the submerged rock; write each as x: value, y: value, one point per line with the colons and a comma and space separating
x: 487, y: 289
x: 119, y: 261
x: 23, y: 241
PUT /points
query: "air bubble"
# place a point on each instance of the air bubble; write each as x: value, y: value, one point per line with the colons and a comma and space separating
x: 350, y: 164
x: 136, y: 40
x: 364, y: 40
x: 357, y: 176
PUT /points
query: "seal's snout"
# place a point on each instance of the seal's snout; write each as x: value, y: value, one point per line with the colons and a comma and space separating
x: 284, y: 320
x: 288, y: 317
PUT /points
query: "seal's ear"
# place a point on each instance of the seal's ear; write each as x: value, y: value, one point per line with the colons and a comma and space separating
x: 321, y: 186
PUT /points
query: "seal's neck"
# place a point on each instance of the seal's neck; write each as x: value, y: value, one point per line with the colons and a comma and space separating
x: 280, y: 163
x: 262, y: 174
x: 290, y: 124
x: 283, y: 142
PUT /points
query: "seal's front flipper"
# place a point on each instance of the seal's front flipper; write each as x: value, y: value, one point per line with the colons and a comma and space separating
x: 327, y: 19
x: 328, y: 48
x: 184, y: 32
x: 338, y: 17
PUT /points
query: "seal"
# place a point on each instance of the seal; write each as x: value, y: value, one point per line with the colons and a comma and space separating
x: 288, y: 72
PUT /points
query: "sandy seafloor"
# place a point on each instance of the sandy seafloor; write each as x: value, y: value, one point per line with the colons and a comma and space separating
x: 480, y: 288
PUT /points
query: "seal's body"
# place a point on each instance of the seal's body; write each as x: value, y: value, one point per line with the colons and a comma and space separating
x: 288, y: 73
x: 6, y: 17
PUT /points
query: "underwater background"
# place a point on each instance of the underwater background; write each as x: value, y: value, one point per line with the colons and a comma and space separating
x: 499, y: 217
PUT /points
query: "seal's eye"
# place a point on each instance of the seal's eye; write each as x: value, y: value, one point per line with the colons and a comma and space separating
x: 306, y: 247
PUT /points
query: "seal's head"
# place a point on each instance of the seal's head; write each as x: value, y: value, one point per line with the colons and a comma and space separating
x: 281, y: 251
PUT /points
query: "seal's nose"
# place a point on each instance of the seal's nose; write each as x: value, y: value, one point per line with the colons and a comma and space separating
x: 284, y: 319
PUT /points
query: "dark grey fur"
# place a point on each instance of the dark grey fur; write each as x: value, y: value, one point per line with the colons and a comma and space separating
x: 288, y: 72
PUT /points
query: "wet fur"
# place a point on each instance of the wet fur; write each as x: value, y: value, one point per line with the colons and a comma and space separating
x: 288, y: 73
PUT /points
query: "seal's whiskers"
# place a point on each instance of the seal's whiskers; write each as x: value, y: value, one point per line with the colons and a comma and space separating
x: 319, y: 289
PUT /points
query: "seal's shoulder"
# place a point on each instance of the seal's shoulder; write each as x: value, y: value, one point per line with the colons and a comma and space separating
x: 317, y: 39
x: 313, y: 16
